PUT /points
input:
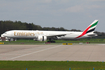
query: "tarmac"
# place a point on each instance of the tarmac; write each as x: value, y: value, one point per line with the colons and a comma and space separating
x: 80, y: 52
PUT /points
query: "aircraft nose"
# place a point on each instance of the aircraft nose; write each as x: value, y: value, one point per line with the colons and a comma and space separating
x: 2, y: 35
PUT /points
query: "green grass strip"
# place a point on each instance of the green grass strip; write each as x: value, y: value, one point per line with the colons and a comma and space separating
x: 51, y: 65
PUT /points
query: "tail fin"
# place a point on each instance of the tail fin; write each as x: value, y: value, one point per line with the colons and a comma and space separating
x: 89, y: 29
x: 92, y: 27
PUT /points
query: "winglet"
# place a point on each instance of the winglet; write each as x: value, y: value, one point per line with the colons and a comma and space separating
x: 89, y: 29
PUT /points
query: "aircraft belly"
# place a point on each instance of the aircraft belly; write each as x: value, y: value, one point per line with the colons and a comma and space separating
x: 68, y: 37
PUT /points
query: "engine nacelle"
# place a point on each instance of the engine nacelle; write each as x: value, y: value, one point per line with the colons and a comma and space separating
x: 42, y: 38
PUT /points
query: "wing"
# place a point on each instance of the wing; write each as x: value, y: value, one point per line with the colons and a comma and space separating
x: 56, y: 35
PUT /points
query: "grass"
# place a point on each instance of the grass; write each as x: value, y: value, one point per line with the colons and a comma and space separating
x: 32, y: 42
x: 50, y: 65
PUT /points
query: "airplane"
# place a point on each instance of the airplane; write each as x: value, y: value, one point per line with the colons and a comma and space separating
x: 51, y: 35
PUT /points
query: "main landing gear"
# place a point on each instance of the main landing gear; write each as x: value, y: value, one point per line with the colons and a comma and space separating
x: 51, y: 40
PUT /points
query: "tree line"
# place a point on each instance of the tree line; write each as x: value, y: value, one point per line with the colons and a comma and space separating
x: 18, y: 25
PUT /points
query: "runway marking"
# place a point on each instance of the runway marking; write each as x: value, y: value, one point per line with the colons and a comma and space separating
x: 101, y: 44
x: 34, y: 52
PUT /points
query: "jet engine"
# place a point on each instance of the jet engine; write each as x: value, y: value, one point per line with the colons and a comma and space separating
x: 42, y: 38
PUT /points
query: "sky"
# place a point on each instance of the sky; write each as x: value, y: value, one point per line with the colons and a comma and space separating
x: 69, y: 14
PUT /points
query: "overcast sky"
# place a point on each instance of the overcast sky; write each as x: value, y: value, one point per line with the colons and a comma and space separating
x: 69, y: 14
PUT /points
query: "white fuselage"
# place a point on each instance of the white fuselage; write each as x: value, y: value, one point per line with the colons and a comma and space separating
x: 35, y: 34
